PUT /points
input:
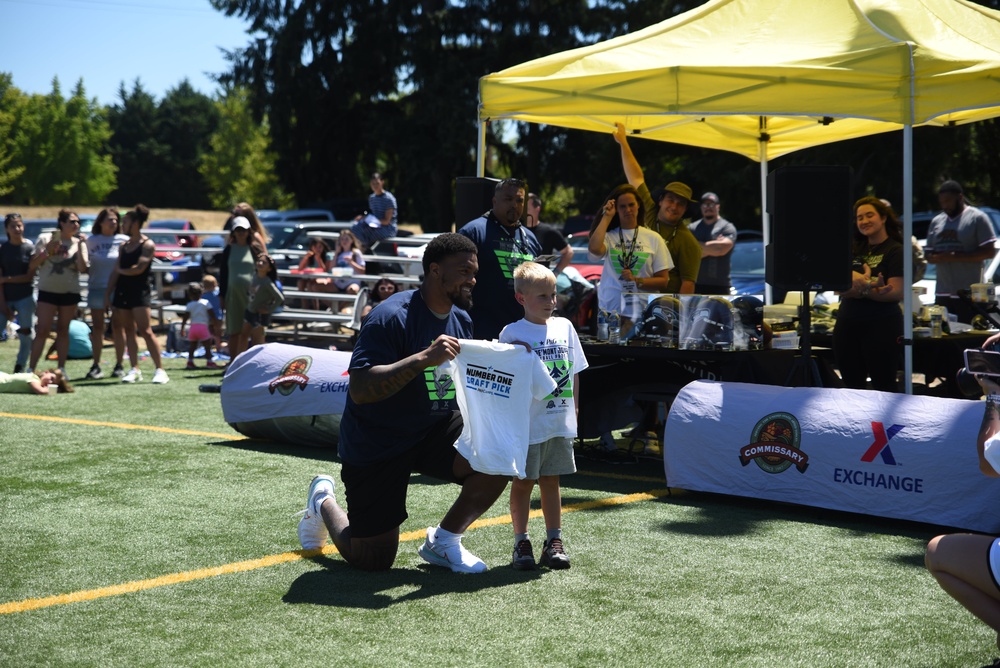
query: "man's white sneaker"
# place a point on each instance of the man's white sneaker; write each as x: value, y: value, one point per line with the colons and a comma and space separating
x: 455, y: 557
x: 133, y: 376
x: 160, y: 377
x: 312, y: 529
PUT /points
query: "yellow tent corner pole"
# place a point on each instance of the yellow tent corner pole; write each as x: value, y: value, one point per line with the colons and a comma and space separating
x: 481, y: 150
x: 908, y: 257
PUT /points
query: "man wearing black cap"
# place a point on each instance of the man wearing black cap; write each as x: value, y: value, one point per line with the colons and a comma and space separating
x: 665, y: 216
x: 959, y: 240
x: 716, y: 236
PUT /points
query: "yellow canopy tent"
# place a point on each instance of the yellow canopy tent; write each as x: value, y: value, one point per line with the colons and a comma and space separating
x: 767, y: 77
x: 801, y: 72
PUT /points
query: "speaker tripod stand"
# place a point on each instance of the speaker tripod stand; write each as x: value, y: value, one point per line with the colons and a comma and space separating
x: 804, y: 371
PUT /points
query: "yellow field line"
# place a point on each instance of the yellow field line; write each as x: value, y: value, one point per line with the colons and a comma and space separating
x: 120, y: 425
x: 275, y: 559
x: 285, y: 557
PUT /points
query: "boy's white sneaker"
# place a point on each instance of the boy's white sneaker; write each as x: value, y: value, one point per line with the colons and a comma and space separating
x: 160, y: 377
x: 133, y: 376
x: 454, y: 556
x: 312, y: 529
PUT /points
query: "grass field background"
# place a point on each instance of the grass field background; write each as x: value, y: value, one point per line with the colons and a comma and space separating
x: 138, y: 529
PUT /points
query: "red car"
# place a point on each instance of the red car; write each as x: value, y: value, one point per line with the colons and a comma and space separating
x: 169, y: 246
x: 588, y: 267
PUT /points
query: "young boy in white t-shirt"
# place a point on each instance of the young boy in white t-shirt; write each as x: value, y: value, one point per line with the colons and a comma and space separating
x: 553, y: 419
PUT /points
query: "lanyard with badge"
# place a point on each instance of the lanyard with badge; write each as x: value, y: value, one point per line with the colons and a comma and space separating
x: 518, y: 243
x: 632, y: 301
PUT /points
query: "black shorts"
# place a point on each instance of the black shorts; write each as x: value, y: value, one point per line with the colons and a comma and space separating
x: 257, y: 319
x: 376, y: 493
x: 130, y: 297
x: 58, y: 298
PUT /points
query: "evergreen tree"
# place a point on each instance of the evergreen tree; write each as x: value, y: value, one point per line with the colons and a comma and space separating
x: 186, y: 119
x: 239, y: 165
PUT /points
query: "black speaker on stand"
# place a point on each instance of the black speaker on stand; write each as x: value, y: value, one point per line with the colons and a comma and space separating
x: 811, y: 238
x: 473, y: 198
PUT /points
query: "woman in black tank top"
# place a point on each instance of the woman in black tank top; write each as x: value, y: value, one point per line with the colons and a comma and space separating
x: 132, y: 295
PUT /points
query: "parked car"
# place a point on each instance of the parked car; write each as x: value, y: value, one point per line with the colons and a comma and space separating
x: 294, y: 216
x: 589, y: 267
x: 169, y: 246
x: 178, y: 224
x: 577, y: 224
x: 746, y: 269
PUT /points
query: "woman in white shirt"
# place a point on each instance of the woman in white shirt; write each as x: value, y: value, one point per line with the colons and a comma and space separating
x: 636, y: 259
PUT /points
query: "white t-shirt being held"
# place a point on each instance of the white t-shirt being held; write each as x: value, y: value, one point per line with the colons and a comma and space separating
x: 495, y: 385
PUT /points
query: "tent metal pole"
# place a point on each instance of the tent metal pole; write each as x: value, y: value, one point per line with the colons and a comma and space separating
x: 908, y: 257
x: 764, y: 220
x: 481, y: 150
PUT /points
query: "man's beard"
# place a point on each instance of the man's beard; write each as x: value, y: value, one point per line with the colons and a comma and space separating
x: 460, y: 300
x: 511, y: 219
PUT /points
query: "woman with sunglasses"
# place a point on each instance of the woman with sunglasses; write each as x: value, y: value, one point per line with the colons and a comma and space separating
x: 60, y: 258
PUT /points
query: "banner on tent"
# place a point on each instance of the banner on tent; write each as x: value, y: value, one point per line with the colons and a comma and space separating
x: 877, y: 453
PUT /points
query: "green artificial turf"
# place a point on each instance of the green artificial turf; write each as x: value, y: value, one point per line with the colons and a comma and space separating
x: 679, y: 580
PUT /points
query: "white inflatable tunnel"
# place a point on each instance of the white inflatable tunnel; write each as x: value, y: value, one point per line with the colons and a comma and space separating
x: 292, y: 394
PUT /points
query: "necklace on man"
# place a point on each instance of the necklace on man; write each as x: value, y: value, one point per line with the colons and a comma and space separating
x: 673, y: 231
x: 513, y: 237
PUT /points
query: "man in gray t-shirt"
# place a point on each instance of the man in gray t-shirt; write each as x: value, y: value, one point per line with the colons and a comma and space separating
x: 17, y: 299
x: 716, y: 236
x: 959, y: 240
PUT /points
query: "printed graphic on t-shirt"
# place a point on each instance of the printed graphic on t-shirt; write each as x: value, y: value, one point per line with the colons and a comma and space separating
x: 510, y: 260
x: 638, y: 260
x: 488, y: 380
x: 554, y: 354
x: 61, y: 266
x: 440, y: 386
x: 947, y: 239
x: 874, y: 260
x: 562, y: 373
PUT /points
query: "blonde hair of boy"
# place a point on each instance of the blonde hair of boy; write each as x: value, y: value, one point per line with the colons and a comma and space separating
x: 529, y: 274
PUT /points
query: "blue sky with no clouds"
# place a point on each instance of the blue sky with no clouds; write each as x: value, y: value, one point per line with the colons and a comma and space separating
x: 106, y: 42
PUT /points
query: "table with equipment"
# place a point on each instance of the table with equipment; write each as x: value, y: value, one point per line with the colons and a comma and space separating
x: 623, y: 377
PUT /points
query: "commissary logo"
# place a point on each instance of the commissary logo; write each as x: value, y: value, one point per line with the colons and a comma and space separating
x: 774, y: 444
x: 292, y: 375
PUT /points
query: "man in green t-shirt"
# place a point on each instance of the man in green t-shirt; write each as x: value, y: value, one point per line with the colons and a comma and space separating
x: 665, y: 216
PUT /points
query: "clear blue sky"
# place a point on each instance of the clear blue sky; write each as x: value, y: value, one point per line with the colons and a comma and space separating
x: 106, y: 42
